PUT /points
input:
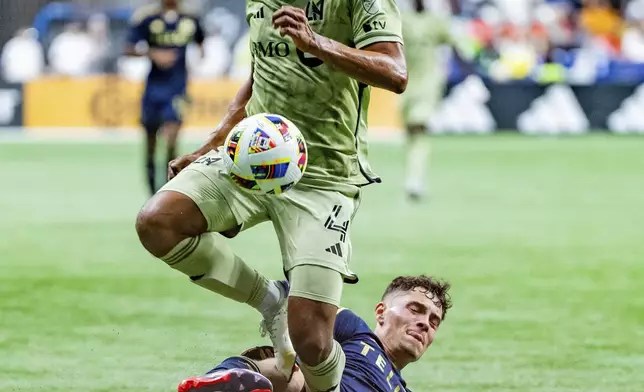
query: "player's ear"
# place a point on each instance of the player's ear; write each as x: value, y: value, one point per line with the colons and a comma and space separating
x: 380, y: 313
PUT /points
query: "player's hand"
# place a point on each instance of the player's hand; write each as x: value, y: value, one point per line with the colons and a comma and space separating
x: 292, y: 22
x: 163, y: 58
x: 178, y: 164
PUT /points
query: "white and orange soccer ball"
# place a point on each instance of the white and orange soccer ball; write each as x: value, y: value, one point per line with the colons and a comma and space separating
x: 265, y: 154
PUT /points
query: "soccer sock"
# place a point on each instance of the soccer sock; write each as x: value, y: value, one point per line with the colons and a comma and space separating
x: 211, y: 264
x: 151, y: 172
x: 327, y: 375
x: 417, y: 161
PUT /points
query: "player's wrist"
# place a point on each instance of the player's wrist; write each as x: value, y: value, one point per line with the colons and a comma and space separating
x: 316, y: 46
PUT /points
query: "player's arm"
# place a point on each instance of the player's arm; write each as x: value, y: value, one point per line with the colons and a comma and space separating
x: 133, y: 38
x: 235, y: 113
x: 137, y: 32
x: 449, y: 39
x: 200, y: 37
x: 380, y: 63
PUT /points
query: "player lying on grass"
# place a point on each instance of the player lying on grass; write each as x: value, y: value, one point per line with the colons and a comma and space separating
x: 407, y: 317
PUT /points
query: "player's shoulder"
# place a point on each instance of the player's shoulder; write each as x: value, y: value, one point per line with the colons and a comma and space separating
x: 348, y: 314
x: 144, y: 12
x: 375, y: 7
x: 349, y: 325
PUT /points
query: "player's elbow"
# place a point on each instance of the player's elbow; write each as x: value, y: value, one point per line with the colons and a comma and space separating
x: 399, y: 81
x: 398, y: 77
x: 401, y: 84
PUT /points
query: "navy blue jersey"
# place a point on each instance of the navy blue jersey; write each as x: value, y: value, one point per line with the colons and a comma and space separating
x: 168, y: 30
x: 368, y: 369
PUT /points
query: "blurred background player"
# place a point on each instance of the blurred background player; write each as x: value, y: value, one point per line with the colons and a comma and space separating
x: 425, y: 30
x: 168, y: 29
x: 407, y: 318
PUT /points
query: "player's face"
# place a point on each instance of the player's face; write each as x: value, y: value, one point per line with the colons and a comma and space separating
x: 410, y: 320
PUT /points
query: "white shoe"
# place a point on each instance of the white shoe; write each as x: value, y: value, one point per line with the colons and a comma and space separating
x: 275, y: 325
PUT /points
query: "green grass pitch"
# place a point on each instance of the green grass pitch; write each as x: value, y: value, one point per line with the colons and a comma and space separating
x: 543, y: 240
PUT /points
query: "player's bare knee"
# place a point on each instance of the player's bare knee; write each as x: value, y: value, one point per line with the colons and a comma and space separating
x: 151, y: 226
x: 312, y: 349
x: 165, y: 220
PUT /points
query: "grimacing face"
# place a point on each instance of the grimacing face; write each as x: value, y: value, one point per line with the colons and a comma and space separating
x: 408, y: 321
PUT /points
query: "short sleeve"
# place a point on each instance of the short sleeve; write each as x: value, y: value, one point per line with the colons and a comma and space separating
x: 138, y: 30
x: 375, y: 21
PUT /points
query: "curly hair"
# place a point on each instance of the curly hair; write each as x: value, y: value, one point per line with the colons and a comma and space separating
x: 439, y: 288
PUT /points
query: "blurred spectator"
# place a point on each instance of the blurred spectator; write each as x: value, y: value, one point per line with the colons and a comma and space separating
x: 98, y: 30
x: 633, y: 42
x: 633, y: 38
x: 133, y: 68
x: 603, y: 24
x: 72, y: 52
x: 22, y: 57
x: 543, y: 40
x: 242, y: 59
x: 216, y: 58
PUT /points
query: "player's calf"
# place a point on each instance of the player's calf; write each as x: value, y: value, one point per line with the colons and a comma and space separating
x: 172, y: 227
x: 312, y: 308
x: 311, y: 329
x: 417, y: 160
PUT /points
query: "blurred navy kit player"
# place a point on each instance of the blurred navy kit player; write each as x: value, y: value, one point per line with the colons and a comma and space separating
x: 167, y: 28
x: 407, y: 318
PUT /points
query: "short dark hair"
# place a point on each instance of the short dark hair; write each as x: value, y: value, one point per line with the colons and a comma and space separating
x: 440, y: 288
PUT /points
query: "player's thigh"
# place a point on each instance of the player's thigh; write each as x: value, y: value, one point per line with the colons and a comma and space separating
x: 175, y: 109
x: 313, y: 228
x: 224, y: 205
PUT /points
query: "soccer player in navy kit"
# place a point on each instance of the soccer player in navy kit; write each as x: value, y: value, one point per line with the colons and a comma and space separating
x: 411, y: 310
x: 168, y: 29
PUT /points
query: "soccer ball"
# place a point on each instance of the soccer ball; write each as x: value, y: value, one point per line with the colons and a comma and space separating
x: 265, y: 154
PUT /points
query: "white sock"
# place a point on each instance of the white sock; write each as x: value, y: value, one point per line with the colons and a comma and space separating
x: 271, y: 299
x: 417, y: 162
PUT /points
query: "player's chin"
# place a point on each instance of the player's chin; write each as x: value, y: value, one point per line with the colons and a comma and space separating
x: 414, y: 348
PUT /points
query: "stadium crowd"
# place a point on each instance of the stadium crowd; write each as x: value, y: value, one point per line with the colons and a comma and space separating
x: 580, y: 41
